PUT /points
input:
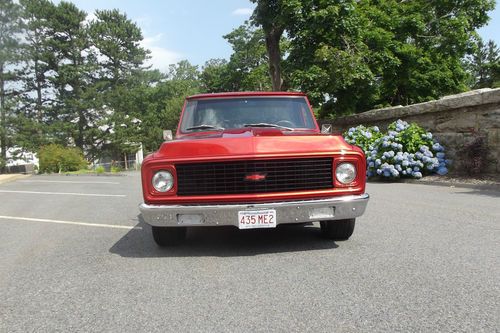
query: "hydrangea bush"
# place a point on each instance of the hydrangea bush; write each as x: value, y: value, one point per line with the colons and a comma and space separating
x: 406, y: 150
x: 363, y: 136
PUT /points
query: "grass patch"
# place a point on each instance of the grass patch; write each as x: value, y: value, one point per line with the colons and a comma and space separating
x: 80, y: 172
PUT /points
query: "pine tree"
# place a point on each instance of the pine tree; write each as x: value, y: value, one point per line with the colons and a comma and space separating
x: 10, y: 56
x: 484, y: 65
x: 39, y: 94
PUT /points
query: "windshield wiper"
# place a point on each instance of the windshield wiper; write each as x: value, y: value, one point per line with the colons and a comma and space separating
x: 204, y: 126
x: 268, y: 125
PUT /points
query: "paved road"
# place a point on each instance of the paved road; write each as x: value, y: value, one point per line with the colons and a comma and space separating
x: 423, y: 258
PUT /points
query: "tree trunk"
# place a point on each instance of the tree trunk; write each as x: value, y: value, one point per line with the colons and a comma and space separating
x: 80, y: 140
x: 3, y: 118
x: 274, y: 54
x: 38, y: 82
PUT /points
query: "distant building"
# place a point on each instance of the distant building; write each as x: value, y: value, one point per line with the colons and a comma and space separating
x: 16, y: 156
x: 20, y: 161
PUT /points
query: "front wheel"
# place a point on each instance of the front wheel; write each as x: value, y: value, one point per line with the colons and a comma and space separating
x: 165, y: 236
x: 338, y: 229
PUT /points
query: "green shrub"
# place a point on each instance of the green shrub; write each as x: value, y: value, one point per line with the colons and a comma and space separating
x: 116, y: 169
x: 100, y: 169
x: 362, y: 136
x: 2, y: 163
x: 56, y: 158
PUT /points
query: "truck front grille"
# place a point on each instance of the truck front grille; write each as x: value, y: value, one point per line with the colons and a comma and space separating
x: 254, y: 176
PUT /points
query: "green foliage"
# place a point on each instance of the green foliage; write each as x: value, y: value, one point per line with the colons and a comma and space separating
x: 215, y: 76
x: 412, y: 137
x: 327, y: 54
x: 10, y: 55
x: 100, y: 169
x: 350, y: 56
x: 55, y: 158
x: 117, y: 38
x: 30, y: 128
x: 362, y: 136
x: 484, y: 65
x: 247, y: 69
x: 116, y: 169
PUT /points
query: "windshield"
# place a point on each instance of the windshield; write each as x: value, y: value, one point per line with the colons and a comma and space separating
x: 287, y: 113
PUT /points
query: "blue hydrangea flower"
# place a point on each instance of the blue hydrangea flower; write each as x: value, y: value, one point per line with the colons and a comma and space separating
x: 428, y: 153
x: 437, y: 147
x: 442, y: 171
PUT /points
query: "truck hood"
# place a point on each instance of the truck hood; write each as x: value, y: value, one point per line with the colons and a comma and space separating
x: 251, y: 141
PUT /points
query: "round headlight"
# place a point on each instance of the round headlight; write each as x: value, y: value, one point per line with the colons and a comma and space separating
x: 345, y: 173
x: 163, y: 181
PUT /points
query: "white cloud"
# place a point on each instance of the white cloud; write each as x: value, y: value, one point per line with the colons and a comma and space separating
x: 160, y: 57
x: 242, y: 12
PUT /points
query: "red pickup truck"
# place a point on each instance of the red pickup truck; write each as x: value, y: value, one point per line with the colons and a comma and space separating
x: 252, y: 160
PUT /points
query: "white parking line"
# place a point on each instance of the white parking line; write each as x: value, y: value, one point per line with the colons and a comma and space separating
x: 65, y: 182
x: 67, y: 193
x: 112, y: 226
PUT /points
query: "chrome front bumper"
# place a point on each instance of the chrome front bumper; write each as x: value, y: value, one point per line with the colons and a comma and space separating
x: 338, y: 208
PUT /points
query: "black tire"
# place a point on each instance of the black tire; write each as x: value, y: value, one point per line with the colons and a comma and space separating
x: 338, y: 229
x: 165, y: 236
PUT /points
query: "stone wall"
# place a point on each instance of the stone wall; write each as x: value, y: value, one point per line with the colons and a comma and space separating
x: 454, y: 120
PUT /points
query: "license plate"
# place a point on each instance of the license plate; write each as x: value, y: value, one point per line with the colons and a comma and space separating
x: 253, y: 219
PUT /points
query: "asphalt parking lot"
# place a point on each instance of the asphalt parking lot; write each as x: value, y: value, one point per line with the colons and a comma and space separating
x: 75, y: 256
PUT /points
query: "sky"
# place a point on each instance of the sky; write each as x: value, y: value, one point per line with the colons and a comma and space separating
x: 177, y: 30
x: 192, y: 29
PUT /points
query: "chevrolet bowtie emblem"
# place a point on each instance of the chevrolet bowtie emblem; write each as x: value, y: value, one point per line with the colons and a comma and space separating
x: 255, y: 177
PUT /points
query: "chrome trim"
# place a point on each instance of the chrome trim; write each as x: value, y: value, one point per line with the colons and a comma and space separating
x: 344, y: 207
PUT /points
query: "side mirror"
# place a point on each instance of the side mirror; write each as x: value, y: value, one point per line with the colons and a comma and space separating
x: 326, y: 129
x: 167, y: 135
